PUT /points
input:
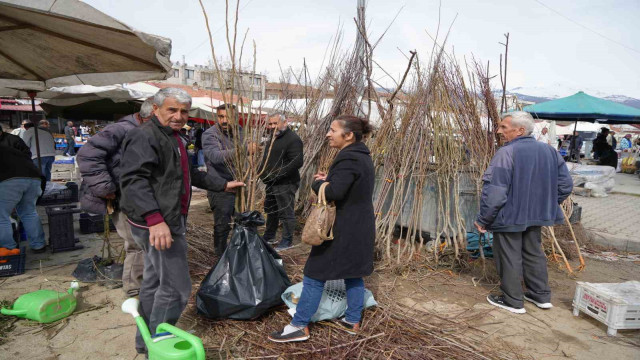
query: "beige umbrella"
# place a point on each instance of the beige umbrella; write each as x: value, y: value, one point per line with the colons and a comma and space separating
x: 56, y: 43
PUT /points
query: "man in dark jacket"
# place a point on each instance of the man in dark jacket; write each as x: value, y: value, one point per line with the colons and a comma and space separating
x: 219, y: 144
x: 20, y: 188
x: 156, y: 181
x: 280, y: 173
x: 575, y: 146
x: 70, y: 137
x: 523, y: 188
x: 98, y: 161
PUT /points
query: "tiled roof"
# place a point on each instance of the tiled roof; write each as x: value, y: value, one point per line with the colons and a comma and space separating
x: 194, y: 92
x: 19, y: 107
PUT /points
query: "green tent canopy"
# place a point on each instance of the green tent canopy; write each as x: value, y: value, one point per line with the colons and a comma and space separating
x: 583, y: 107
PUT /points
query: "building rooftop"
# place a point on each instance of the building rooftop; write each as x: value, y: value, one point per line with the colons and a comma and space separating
x: 195, y: 92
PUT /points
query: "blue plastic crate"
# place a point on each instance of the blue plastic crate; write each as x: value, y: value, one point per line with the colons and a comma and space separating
x: 14, y: 264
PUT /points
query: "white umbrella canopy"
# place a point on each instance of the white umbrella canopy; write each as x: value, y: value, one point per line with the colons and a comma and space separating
x: 75, y: 95
x: 56, y: 43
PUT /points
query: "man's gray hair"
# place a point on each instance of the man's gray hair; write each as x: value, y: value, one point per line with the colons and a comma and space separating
x: 281, y: 116
x: 180, y: 95
x: 521, y: 119
x: 43, y: 122
x: 147, y: 108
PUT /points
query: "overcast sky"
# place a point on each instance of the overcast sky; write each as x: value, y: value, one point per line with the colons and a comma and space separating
x: 587, y: 44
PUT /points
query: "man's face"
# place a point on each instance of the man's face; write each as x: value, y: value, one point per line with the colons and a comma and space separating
x: 275, y: 123
x: 172, y: 113
x: 223, y: 119
x: 507, y: 131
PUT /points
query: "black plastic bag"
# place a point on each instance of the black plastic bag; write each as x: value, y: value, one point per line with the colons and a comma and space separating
x: 248, y: 279
x: 94, y: 269
x: 86, y: 270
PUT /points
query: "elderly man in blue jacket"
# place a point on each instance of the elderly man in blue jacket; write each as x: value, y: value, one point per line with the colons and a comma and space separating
x: 523, y: 188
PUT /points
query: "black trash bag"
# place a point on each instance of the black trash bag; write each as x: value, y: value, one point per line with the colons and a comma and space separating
x: 86, y: 270
x: 94, y: 269
x: 248, y: 279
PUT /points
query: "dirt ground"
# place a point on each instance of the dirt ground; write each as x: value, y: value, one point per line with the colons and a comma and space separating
x: 99, y: 330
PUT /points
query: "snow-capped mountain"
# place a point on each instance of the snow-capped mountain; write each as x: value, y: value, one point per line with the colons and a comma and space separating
x: 539, y: 94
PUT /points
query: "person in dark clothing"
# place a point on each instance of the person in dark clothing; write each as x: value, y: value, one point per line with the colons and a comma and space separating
x: 575, y: 146
x: 600, y: 145
x: 603, y: 151
x: 522, y: 190
x: 349, y: 255
x: 21, y: 184
x: 219, y: 146
x: 70, y: 137
x: 198, y: 145
x: 280, y: 173
x: 155, y: 183
x: 99, y: 163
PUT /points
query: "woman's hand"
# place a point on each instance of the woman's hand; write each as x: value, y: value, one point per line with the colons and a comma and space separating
x: 320, y: 176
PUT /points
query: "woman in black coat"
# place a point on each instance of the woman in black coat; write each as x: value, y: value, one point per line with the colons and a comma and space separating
x: 349, y: 255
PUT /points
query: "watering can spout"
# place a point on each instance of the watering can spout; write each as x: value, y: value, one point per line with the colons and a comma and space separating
x: 73, y: 288
x: 130, y: 306
x: 6, y: 311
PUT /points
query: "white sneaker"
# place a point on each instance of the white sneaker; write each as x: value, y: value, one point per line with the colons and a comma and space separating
x: 545, y: 306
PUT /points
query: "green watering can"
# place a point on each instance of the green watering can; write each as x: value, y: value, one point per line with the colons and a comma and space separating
x: 45, y: 306
x: 169, y: 342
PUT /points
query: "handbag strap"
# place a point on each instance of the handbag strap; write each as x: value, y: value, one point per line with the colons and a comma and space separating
x: 322, y: 199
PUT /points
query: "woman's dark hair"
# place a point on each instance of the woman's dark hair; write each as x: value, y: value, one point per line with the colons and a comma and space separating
x: 28, y: 125
x: 358, y: 126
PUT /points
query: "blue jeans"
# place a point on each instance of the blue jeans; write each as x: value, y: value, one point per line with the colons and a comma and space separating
x: 200, y: 157
x: 47, y: 163
x: 20, y: 194
x: 312, y: 293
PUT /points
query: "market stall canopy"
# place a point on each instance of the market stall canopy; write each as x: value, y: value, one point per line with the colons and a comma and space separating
x: 583, y: 107
x: 57, y: 43
x: 568, y: 129
x: 105, y: 102
x: 75, y: 95
x: 94, y: 102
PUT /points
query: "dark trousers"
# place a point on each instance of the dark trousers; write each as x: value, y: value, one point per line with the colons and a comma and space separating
x: 71, y: 147
x: 223, y: 205
x: 279, y: 206
x: 519, y: 255
x: 166, y: 284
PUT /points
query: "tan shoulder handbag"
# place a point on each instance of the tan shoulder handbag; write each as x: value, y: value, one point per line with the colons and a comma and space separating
x: 319, y: 225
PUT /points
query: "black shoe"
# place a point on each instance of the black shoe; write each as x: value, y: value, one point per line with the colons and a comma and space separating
x: 498, y: 300
x: 542, y: 305
x: 271, y: 241
x: 141, y: 350
x: 39, y: 251
x: 350, y: 328
x: 290, y: 333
